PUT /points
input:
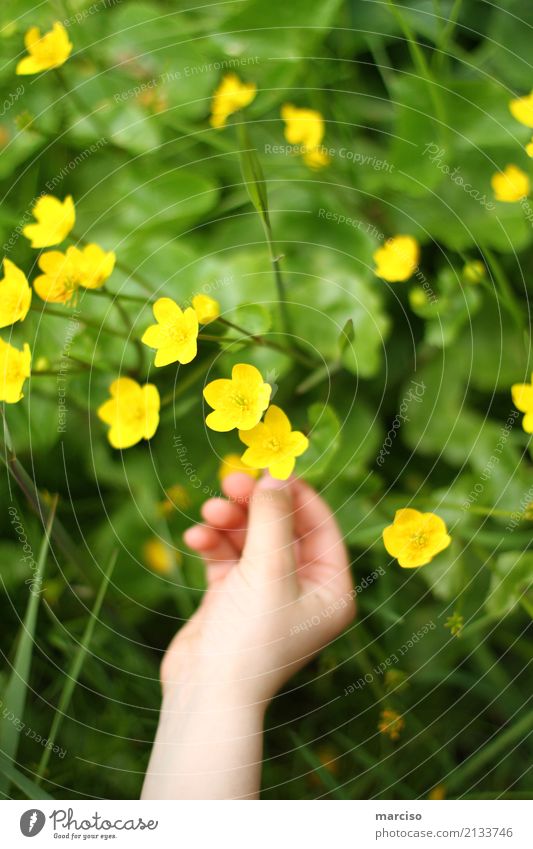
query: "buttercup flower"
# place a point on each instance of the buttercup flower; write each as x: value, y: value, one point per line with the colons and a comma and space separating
x: 273, y: 445
x: 14, y: 369
x: 232, y: 463
x: 93, y: 265
x: 397, y: 259
x: 391, y: 724
x: 474, y: 272
x: 132, y: 411
x: 65, y: 272
x: 175, y: 334
x: 305, y: 127
x: 523, y: 400
x: 239, y: 402
x: 159, y: 557
x: 15, y: 295
x: 59, y: 283
x: 522, y: 109
x: 50, y: 50
x: 230, y: 96
x: 55, y: 219
x: 206, y: 308
x: 415, y: 538
x: 510, y: 185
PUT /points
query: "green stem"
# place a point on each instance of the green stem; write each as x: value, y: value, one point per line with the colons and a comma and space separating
x: 127, y: 325
x: 419, y: 60
x: 505, y: 289
x: 280, y: 285
x: 188, y: 381
x: 83, y: 320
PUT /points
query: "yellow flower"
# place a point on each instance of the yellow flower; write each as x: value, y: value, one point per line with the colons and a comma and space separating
x: 510, y: 185
x: 14, y: 369
x: 273, y: 445
x: 132, y: 411
x: 474, y: 272
x: 523, y: 400
x: 93, y: 265
x: 65, y: 272
x: 415, y: 538
x: 522, y: 109
x: 529, y: 148
x: 176, y: 498
x: 159, y: 557
x: 15, y: 295
x: 230, y: 96
x: 175, y: 334
x: 206, y: 308
x: 232, y: 463
x: 239, y: 402
x: 391, y: 724
x: 55, y: 220
x: 59, y: 282
x: 397, y: 259
x: 45, y: 51
x: 305, y: 127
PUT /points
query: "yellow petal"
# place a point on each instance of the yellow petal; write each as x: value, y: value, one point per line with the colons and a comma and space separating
x: 155, y: 336
x: 167, y: 311
x: 282, y: 469
x: 219, y: 422
x: 522, y: 394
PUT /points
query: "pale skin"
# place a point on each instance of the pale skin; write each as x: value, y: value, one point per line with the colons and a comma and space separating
x: 275, y: 560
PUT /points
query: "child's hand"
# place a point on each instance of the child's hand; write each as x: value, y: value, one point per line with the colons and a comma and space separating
x: 279, y: 589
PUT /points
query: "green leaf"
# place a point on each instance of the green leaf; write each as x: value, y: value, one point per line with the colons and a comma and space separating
x: 14, y: 776
x: 252, y: 174
x: 346, y: 336
x: 512, y: 577
x: 324, y: 438
x: 15, y: 695
x: 254, y: 319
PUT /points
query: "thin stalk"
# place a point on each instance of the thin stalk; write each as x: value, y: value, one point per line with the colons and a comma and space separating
x: 280, y: 285
x: 505, y: 289
x: 87, y: 321
x: 188, y: 381
x: 127, y: 326
x: 419, y: 60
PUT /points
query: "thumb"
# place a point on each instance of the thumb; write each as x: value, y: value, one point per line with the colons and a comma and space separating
x: 269, y: 546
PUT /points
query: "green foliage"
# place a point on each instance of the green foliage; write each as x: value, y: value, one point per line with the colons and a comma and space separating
x: 416, y: 124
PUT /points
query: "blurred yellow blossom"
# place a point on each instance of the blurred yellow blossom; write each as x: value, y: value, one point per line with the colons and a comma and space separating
x: 45, y: 51
x: 391, y: 724
x: 55, y: 219
x: 232, y: 463
x: 159, y: 556
x: 239, y: 402
x: 93, y: 265
x: 305, y: 127
x: 415, y: 538
x: 438, y: 793
x: 230, y: 96
x: 206, y: 308
x: 397, y: 259
x: 273, y: 445
x: 175, y: 334
x: 14, y: 369
x: 522, y: 109
x: 522, y: 394
x: 132, y: 412
x: 510, y: 185
x: 529, y: 148
x: 474, y: 271
x: 15, y: 295
x: 176, y: 497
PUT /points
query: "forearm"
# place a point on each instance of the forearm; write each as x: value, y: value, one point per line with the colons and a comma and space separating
x: 209, y: 745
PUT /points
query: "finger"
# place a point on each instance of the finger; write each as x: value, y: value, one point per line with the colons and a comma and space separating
x: 229, y: 517
x: 322, y: 547
x: 268, y: 550
x: 238, y: 487
x: 214, y: 547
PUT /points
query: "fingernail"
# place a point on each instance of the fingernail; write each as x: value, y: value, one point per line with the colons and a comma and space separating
x: 268, y: 482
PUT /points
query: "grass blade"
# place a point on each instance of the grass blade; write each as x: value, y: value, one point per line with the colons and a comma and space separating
x: 73, y: 673
x: 18, y: 779
x: 15, y: 695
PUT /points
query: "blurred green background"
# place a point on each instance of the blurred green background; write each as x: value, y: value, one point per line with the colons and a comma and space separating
x: 129, y: 138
